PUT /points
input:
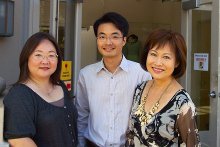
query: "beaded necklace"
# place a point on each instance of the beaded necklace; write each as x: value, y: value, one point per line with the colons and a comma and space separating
x: 146, y: 116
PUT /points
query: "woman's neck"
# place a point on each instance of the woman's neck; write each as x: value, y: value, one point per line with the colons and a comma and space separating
x: 162, y: 83
x: 43, y: 83
x: 42, y: 87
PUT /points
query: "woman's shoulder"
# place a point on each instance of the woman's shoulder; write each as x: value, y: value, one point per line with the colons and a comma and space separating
x: 61, y: 83
x: 63, y: 86
x: 142, y: 84
x: 182, y: 97
x: 18, y: 92
x: 182, y: 94
x: 19, y: 89
x: 140, y: 87
x: 67, y: 95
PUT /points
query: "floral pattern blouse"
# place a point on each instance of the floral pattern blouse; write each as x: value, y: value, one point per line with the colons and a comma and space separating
x: 173, y: 126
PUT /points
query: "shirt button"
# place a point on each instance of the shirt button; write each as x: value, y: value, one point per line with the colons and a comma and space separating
x: 73, y: 140
x: 64, y: 107
x: 68, y: 116
x: 69, y: 125
x: 71, y: 132
x: 111, y: 77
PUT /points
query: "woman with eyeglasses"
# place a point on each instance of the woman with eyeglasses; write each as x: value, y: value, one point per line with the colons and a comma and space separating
x: 38, y: 110
x: 163, y: 113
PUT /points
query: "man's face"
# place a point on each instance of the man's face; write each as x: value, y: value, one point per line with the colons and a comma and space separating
x: 110, y: 41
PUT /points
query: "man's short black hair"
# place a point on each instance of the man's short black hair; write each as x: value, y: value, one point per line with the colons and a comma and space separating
x: 112, y: 17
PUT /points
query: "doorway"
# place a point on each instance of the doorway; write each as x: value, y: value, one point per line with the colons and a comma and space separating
x: 202, y: 74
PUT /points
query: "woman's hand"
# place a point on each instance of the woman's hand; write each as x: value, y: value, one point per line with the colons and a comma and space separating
x: 22, y: 142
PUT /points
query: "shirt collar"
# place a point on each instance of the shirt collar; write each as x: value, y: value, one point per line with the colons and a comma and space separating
x: 123, y: 65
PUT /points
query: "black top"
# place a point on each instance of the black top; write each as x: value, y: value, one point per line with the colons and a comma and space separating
x: 26, y: 114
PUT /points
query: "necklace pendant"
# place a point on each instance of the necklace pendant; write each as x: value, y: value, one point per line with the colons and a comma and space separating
x: 144, y: 118
x: 157, y: 104
x: 153, y: 109
x: 138, y: 112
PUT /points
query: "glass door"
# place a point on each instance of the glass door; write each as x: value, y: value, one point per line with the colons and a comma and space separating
x: 201, y: 46
x: 52, y: 19
x: 201, y: 52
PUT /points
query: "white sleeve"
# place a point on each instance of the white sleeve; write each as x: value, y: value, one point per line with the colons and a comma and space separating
x: 82, y: 106
x: 145, y: 76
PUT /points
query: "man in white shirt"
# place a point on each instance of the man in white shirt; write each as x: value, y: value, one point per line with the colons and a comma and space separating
x: 105, y: 89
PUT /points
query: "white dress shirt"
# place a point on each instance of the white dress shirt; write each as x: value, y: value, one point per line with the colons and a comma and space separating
x: 104, y: 101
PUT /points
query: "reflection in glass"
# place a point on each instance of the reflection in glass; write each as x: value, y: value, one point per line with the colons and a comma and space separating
x: 44, y: 15
x: 45, y: 20
x: 201, y: 43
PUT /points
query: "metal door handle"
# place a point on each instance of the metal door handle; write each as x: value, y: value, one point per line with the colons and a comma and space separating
x: 212, y: 94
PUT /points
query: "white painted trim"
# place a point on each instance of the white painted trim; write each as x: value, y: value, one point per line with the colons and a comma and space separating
x: 34, y: 16
x: 54, y: 13
x: 77, y: 45
x: 206, y: 7
x: 185, y: 32
x: 215, y: 72
x: 31, y: 18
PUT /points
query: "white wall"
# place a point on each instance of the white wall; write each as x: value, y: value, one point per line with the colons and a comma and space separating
x: 88, y: 47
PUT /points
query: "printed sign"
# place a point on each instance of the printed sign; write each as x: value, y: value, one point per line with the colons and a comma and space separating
x: 201, y: 61
x: 68, y: 85
x: 66, y: 71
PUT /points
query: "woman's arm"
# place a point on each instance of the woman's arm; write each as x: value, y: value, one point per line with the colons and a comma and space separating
x: 19, y: 116
x: 22, y: 142
x: 187, y: 126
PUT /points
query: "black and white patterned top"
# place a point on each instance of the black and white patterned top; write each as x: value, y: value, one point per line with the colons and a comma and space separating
x: 173, y: 126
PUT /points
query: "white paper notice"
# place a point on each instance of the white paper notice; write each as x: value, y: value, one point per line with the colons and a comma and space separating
x: 201, y: 61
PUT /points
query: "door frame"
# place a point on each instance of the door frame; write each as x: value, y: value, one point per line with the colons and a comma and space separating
x: 208, y: 138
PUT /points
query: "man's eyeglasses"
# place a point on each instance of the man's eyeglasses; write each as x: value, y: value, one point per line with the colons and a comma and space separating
x: 49, y: 57
x: 113, y: 38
